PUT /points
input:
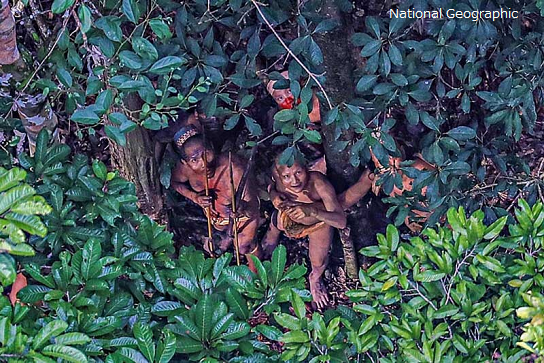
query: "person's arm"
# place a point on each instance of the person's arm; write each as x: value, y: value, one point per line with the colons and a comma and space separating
x: 332, y: 215
x: 178, y: 181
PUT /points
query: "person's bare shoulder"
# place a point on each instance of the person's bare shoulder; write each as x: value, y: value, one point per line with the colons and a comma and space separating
x: 319, y: 183
x: 178, y: 173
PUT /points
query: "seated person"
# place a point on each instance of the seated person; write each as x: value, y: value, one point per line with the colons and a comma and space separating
x: 285, y: 100
x: 189, y: 178
x: 307, y: 205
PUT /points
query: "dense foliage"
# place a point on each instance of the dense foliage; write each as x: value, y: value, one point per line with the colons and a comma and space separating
x: 460, y: 92
x: 104, y: 287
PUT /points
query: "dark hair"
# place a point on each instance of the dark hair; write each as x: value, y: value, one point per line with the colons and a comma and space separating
x: 180, y: 150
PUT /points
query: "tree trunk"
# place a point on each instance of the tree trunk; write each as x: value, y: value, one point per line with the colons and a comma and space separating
x: 340, y: 60
x: 8, y: 43
x: 137, y: 163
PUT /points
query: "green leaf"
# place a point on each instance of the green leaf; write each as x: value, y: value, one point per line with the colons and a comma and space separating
x: 52, y: 329
x: 166, y: 348
x: 11, y: 178
x: 462, y: 133
x: 69, y: 354
x: 160, y: 28
x: 7, y: 270
x: 285, y: 115
x: 298, y: 305
x: 236, y: 330
x: 59, y: 6
x: 366, y: 82
x: 458, y: 168
x: 395, y: 55
x: 132, y: 355
x: 261, y: 271
x: 445, y: 311
x: 116, y: 134
x: 144, y: 336
x: 429, y: 121
x: 64, y: 77
x: 371, y: 48
x: 100, y: 170
x: 85, y: 18
x: 203, y: 316
x: 166, y: 308
x: 30, y: 224
x: 237, y: 304
x: 144, y: 48
x: 32, y: 293
x: 167, y: 64
x: 74, y: 338
x: 429, y: 276
x: 130, y: 59
x: 287, y: 321
x: 494, y: 229
x: 279, y: 259
x: 85, y: 116
x: 131, y: 10
x: 91, y: 253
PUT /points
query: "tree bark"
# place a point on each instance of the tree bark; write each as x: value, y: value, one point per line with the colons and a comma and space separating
x: 8, y: 44
x: 136, y: 162
x: 338, y: 64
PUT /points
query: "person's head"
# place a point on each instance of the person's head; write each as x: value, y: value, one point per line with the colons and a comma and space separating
x: 283, y: 97
x: 294, y: 178
x: 191, y: 148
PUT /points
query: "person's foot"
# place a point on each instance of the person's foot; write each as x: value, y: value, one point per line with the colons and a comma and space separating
x: 319, y: 293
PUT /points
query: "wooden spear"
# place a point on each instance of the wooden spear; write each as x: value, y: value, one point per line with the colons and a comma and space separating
x: 207, y: 191
x: 234, y: 219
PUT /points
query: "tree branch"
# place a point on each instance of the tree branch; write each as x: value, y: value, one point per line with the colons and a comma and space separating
x: 311, y: 74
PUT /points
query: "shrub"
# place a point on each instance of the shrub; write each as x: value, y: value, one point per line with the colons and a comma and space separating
x: 447, y: 296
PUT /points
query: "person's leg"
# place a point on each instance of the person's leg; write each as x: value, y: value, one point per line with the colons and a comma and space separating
x: 358, y: 190
x: 246, y: 242
x: 272, y: 237
x: 320, y: 243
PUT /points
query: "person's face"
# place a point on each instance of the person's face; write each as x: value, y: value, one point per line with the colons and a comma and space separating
x: 195, y: 158
x: 294, y: 178
x: 284, y: 98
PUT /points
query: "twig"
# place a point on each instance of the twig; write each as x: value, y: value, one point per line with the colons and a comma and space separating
x: 457, y: 269
x: 416, y: 287
x: 293, y: 54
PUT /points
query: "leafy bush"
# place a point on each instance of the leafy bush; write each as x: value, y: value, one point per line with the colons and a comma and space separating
x: 448, y: 296
x: 20, y: 209
x: 534, y: 330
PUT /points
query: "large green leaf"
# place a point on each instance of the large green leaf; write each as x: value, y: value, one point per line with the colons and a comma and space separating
x: 52, y: 329
x: 59, y: 6
x: 166, y: 65
x: 7, y: 270
x: 166, y: 348
x: 144, y: 336
x: 91, y: 253
x: 67, y: 353
x: 204, y: 310
x: 14, y: 195
x: 279, y: 259
x: 11, y: 178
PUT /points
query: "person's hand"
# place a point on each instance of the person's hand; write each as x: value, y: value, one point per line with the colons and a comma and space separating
x: 203, y: 200
x: 299, y: 212
x: 287, y: 204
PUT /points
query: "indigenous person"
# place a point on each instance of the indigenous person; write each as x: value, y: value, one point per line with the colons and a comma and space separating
x: 407, y: 184
x: 286, y: 101
x: 307, y: 205
x: 189, y: 178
